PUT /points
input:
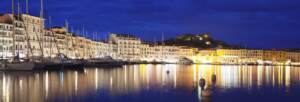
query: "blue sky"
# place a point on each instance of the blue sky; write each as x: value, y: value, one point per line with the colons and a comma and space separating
x: 252, y: 23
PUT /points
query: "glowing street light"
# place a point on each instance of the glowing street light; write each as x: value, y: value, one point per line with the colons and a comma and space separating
x: 206, y: 36
x: 200, y: 38
x: 208, y: 43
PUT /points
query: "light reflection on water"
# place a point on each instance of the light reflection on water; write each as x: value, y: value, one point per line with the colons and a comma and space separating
x: 134, y: 79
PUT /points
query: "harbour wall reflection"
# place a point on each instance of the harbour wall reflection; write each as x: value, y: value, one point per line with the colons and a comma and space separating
x: 132, y: 79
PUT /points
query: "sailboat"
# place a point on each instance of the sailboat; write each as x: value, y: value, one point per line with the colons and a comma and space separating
x: 17, y: 63
x: 20, y: 66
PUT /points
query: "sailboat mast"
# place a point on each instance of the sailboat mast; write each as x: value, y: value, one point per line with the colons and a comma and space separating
x: 83, y: 35
x: 83, y: 31
x: 42, y: 30
x: 68, y: 38
x: 49, y: 20
x: 162, y: 45
x: 93, y: 36
x: 53, y: 35
x: 19, y: 17
x: 13, y: 28
x: 73, y: 44
x: 67, y: 25
x: 163, y: 38
x: 27, y: 7
x: 29, y: 50
x: 97, y: 37
x: 42, y: 9
x: 2, y: 41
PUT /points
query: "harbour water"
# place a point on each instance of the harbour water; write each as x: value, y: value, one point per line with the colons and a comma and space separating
x: 154, y: 83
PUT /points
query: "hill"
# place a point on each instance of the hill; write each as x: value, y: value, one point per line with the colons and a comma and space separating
x: 203, y: 40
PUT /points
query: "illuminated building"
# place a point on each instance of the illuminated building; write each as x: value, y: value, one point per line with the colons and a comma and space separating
x: 32, y: 40
x: 62, y: 40
x: 145, y: 52
x: 83, y: 48
x: 20, y: 37
x: 186, y: 52
x: 10, y: 25
x: 206, y: 56
x: 245, y: 56
x: 128, y: 46
x: 275, y: 56
x: 6, y: 39
x: 293, y: 57
x: 34, y: 30
x: 50, y: 46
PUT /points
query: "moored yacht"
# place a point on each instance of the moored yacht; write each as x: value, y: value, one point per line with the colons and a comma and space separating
x: 18, y: 65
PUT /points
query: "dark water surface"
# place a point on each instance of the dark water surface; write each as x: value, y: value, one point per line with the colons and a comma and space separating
x: 154, y: 83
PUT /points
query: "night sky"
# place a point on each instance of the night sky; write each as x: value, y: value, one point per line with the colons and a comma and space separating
x: 251, y: 23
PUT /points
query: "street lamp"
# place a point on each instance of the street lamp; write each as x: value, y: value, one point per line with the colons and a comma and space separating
x: 206, y: 35
x: 200, y: 38
x: 208, y: 43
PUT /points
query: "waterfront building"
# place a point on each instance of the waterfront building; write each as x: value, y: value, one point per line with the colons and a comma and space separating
x: 229, y: 56
x: 50, y: 45
x: 240, y: 56
x: 14, y: 24
x: 293, y: 57
x: 20, y: 37
x: 71, y: 45
x: 169, y: 54
x: 251, y: 56
x: 79, y: 47
x: 186, y: 52
x: 6, y: 34
x: 103, y: 50
x: 246, y: 56
x: 150, y: 53
x: 275, y: 56
x: 96, y: 49
x: 145, y: 52
x: 89, y: 51
x: 159, y: 53
x: 62, y: 40
x: 34, y: 28
x: 128, y: 46
x: 83, y: 48
x: 206, y: 56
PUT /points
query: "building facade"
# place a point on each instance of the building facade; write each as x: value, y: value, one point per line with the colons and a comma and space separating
x: 6, y: 37
x: 25, y: 36
x: 128, y: 46
x: 34, y: 29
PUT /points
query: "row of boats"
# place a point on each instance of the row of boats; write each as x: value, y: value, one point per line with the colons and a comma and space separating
x: 56, y: 64
x: 41, y: 65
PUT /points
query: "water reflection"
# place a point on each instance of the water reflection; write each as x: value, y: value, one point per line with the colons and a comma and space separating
x: 65, y: 85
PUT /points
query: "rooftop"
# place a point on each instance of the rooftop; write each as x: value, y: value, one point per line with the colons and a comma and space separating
x: 5, y: 18
x: 59, y: 30
x: 125, y: 36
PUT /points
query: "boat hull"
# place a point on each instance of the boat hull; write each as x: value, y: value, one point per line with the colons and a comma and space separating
x: 73, y: 65
x: 19, y: 66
